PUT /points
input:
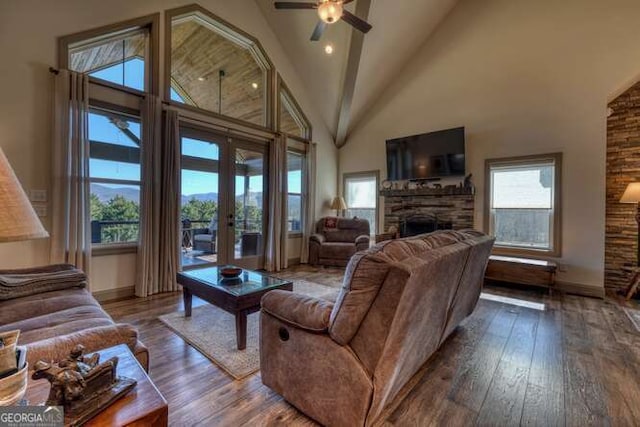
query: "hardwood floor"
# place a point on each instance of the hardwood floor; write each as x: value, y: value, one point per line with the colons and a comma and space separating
x: 574, y: 363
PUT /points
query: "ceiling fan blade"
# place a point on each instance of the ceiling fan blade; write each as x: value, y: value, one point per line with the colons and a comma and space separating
x: 294, y: 5
x: 354, y: 21
x: 318, y: 31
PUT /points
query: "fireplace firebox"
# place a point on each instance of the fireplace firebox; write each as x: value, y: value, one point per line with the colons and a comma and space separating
x: 419, y: 224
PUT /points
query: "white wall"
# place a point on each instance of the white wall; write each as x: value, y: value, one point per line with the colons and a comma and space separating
x: 523, y: 77
x: 28, y: 33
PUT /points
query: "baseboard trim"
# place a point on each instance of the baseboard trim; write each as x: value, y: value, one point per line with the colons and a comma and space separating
x: 580, y: 289
x: 293, y: 261
x: 114, y: 294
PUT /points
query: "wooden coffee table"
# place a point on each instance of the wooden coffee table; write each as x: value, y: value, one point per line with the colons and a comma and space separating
x: 142, y: 406
x: 239, y: 297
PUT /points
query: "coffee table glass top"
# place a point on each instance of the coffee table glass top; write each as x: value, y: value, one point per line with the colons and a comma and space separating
x: 247, y: 283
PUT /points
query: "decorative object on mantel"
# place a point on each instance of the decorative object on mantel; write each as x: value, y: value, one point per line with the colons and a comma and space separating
x: 632, y: 195
x: 82, y: 385
x: 338, y: 204
x: 13, y: 368
x: 467, y: 181
x: 386, y: 184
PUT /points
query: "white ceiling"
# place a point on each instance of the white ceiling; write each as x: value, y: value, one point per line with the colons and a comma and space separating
x: 400, y: 27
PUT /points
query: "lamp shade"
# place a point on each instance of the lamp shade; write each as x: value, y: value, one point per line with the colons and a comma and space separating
x: 338, y: 204
x: 18, y: 220
x: 631, y: 194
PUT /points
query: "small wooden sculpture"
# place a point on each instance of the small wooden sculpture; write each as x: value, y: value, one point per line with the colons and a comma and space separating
x: 82, y: 385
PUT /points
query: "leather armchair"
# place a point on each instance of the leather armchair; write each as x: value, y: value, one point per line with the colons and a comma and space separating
x: 342, y: 363
x: 337, y: 239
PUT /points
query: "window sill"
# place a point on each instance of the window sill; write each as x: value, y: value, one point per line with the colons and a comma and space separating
x: 114, y: 249
x: 539, y: 253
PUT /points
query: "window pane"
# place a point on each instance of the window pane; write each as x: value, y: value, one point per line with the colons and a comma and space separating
x: 115, y: 146
x: 249, y: 189
x: 522, y: 205
x: 294, y: 188
x: 294, y: 215
x: 212, y: 71
x: 291, y: 121
x: 294, y: 175
x: 115, y: 213
x: 119, y: 60
x: 523, y: 227
x: 523, y: 187
x: 361, y: 193
x: 361, y: 196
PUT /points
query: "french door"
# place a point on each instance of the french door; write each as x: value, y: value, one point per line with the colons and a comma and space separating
x: 223, y: 200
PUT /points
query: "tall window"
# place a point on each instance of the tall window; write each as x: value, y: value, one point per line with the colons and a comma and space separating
x: 119, y: 58
x: 114, y: 170
x: 523, y: 209
x: 216, y: 68
x: 291, y: 119
x: 361, y: 196
x: 294, y: 189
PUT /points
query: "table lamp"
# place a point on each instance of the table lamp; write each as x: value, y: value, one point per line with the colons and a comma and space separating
x: 18, y: 220
x: 338, y: 204
x: 632, y: 195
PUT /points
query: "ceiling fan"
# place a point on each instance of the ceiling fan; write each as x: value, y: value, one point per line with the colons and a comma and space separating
x: 329, y: 12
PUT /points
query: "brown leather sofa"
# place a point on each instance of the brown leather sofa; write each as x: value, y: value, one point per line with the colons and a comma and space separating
x: 52, y: 322
x: 341, y: 363
x: 337, y: 239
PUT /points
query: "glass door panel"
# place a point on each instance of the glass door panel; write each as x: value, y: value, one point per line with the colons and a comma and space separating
x: 199, y: 205
x: 249, y: 205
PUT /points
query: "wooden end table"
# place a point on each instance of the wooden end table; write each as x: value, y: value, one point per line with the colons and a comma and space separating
x: 239, y: 297
x: 142, y: 406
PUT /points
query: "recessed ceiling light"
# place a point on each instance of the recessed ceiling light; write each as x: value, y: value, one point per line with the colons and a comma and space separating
x: 254, y: 85
x: 202, y: 78
x: 328, y: 49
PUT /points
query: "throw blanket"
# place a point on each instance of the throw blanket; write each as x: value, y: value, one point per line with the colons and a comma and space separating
x: 25, y: 282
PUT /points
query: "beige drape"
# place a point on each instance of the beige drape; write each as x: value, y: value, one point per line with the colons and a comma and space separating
x: 169, y: 211
x: 276, y: 247
x: 309, y: 209
x: 71, y: 217
x: 148, y: 267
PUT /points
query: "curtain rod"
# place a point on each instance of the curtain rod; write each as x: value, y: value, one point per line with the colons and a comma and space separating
x: 195, y: 117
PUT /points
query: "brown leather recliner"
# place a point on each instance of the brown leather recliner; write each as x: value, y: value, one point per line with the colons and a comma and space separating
x: 342, y: 363
x: 337, y: 240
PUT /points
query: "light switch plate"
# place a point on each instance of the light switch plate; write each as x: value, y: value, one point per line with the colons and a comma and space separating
x: 38, y: 195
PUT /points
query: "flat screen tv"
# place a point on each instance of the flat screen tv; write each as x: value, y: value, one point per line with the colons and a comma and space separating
x: 428, y: 155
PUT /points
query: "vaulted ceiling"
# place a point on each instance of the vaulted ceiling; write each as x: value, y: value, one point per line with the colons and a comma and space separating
x: 400, y: 27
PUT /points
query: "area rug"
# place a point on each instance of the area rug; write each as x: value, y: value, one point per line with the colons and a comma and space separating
x: 212, y: 331
x: 634, y: 316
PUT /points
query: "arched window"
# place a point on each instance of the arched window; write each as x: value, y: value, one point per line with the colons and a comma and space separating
x: 216, y: 67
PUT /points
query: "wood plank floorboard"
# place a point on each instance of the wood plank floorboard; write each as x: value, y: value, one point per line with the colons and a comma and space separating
x: 575, y: 363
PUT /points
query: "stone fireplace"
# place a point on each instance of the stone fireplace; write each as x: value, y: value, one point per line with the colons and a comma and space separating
x: 425, y: 210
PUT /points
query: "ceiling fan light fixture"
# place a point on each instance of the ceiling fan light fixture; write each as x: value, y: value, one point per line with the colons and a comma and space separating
x: 330, y: 11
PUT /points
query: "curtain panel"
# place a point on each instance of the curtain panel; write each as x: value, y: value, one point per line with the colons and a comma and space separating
x: 276, y: 248
x: 71, y: 217
x: 169, y: 210
x: 148, y: 266
x: 309, y: 211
